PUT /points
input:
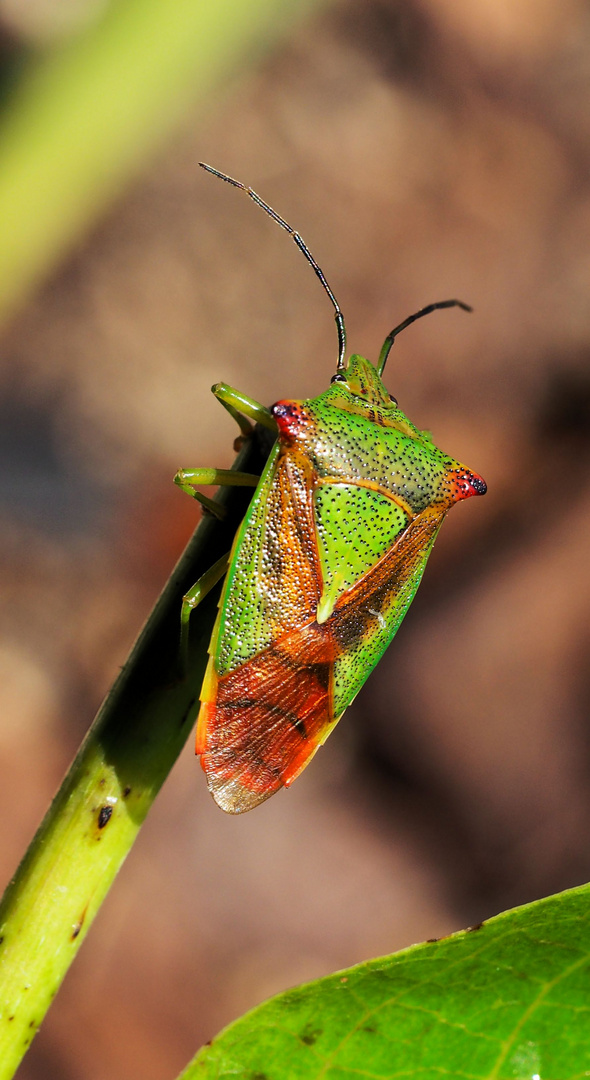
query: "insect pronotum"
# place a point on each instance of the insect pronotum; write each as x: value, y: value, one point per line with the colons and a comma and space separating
x: 323, y: 567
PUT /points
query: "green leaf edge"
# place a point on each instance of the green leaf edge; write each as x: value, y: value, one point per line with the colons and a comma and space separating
x: 239, y: 1049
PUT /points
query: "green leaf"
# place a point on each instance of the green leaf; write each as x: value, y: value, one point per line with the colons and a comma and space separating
x: 507, y: 1000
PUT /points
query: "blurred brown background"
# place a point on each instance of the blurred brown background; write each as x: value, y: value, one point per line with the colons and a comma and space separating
x: 424, y: 149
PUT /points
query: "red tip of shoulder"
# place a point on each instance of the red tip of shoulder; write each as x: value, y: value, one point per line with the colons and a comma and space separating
x: 463, y: 484
x: 291, y: 418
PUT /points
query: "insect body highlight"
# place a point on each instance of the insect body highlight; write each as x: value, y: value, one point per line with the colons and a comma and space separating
x: 322, y: 571
x: 324, y: 568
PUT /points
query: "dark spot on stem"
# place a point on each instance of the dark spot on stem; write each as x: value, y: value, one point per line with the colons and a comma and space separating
x: 104, y: 816
x: 31, y: 1023
x: 79, y: 924
x: 126, y: 792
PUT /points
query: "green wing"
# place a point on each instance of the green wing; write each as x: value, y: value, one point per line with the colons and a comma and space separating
x: 368, y: 615
x: 355, y: 527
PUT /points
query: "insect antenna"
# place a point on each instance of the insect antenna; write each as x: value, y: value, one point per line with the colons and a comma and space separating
x: 389, y: 340
x: 306, y: 252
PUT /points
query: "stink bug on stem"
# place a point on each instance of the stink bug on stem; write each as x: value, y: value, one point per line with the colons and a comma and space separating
x: 323, y: 567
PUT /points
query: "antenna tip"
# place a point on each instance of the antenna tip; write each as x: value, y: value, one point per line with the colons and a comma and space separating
x: 221, y: 175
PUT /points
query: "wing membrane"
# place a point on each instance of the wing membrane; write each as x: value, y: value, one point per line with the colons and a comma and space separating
x: 261, y: 723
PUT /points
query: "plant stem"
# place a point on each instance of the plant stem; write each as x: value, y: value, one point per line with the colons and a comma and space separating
x: 96, y: 815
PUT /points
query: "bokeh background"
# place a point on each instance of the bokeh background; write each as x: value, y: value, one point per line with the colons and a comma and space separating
x: 424, y: 149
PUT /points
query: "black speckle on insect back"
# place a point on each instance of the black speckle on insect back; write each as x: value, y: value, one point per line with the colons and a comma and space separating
x: 126, y: 792
x: 104, y: 816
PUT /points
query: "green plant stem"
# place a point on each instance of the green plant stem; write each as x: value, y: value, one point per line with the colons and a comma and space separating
x: 97, y: 813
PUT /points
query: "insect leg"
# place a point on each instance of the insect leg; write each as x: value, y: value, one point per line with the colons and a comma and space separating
x: 193, y: 598
x: 187, y: 478
x: 239, y: 405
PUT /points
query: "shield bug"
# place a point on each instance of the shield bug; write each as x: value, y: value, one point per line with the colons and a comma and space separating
x: 323, y: 567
